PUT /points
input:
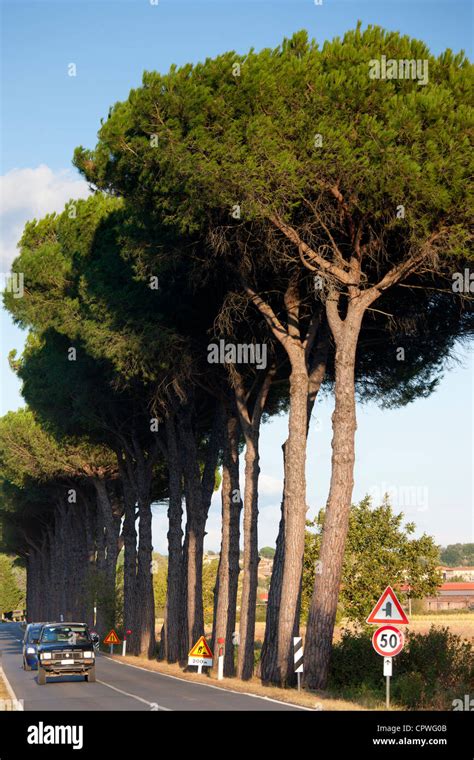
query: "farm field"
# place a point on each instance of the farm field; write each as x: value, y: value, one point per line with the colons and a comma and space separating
x: 461, y: 624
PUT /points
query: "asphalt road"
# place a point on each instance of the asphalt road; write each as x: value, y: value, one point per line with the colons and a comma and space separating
x: 119, y: 687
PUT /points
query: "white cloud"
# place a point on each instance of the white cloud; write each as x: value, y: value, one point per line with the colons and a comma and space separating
x: 26, y: 194
x: 268, y: 484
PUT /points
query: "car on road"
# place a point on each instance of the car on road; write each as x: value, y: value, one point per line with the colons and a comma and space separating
x: 66, y: 649
x: 30, y: 644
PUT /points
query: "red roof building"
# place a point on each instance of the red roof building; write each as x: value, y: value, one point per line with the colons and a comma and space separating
x: 452, y: 596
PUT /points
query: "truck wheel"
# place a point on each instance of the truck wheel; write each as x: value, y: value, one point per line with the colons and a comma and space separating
x: 41, y: 676
x: 90, y: 677
x: 25, y: 665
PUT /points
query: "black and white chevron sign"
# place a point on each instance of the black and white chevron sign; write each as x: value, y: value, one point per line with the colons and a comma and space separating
x: 298, y: 653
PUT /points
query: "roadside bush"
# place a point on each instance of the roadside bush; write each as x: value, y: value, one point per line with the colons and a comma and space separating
x: 445, y: 662
x: 260, y: 613
x: 408, y: 689
x: 354, y: 661
x: 257, y: 653
x: 432, y: 670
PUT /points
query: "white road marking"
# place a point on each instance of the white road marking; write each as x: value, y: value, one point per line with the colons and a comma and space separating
x: 19, y: 703
x: 210, y: 686
x: 134, y: 696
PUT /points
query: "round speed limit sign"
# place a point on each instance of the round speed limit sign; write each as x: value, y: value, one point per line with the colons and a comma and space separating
x: 388, y: 641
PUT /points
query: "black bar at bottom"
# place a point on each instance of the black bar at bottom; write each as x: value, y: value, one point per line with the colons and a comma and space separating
x: 111, y: 735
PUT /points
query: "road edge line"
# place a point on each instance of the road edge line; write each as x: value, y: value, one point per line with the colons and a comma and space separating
x: 12, y: 694
x: 210, y: 685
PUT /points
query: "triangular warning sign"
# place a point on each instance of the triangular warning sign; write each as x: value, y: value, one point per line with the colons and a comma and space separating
x: 112, y: 638
x: 388, y: 609
x: 200, y: 649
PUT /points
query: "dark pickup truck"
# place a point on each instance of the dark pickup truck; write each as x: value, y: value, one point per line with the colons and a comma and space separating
x: 66, y: 649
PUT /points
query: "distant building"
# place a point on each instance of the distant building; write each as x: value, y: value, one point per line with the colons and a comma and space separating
x: 452, y: 596
x: 464, y: 572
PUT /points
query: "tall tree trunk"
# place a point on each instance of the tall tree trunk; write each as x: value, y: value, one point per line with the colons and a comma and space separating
x: 52, y: 577
x: 279, y: 661
x: 184, y: 643
x: 195, y: 547
x: 100, y: 574
x: 145, y: 609
x: 268, y: 661
x: 60, y: 562
x: 229, y: 566
x: 136, y: 471
x: 84, y: 606
x: 146, y: 598
x: 32, y: 578
x: 322, y: 614
x: 90, y: 570
x: 250, y: 565
x: 295, y: 520
x: 46, y: 601
x: 110, y: 531
x: 129, y: 560
x: 198, y: 493
x: 250, y: 424
x: 75, y: 589
x: 192, y: 614
x: 129, y: 537
x: 171, y: 628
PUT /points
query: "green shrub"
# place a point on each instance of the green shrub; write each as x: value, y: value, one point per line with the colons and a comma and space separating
x: 408, y: 689
x: 443, y: 657
x: 257, y: 652
x: 433, y: 669
x: 261, y: 613
x: 354, y: 661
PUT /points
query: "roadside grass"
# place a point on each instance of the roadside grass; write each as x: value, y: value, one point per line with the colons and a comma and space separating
x: 3, y: 688
x: 312, y: 700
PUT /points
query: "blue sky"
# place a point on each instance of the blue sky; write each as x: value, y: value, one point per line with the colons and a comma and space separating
x: 422, y: 453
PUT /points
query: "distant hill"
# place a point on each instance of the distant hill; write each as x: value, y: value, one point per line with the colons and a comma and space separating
x: 456, y: 555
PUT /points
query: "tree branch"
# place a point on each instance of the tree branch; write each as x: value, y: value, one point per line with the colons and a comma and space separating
x: 305, y: 250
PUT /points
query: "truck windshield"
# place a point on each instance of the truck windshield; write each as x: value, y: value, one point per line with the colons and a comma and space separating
x: 65, y: 634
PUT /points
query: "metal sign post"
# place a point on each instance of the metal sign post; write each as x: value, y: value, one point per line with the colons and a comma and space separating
x: 387, y: 671
x: 220, y: 660
x: 124, y: 645
x: 298, y: 658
